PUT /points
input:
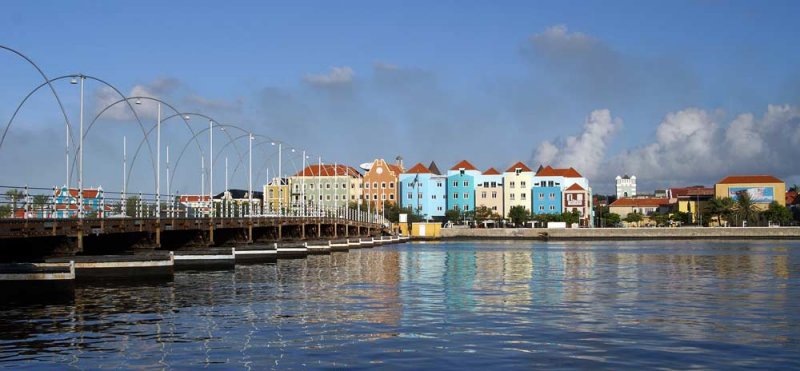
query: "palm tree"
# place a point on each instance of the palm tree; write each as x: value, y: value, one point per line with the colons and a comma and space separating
x: 721, y: 208
x: 14, y: 195
x: 745, y: 208
x: 39, y: 202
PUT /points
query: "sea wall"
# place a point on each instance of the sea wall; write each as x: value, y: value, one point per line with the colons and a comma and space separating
x: 622, y: 233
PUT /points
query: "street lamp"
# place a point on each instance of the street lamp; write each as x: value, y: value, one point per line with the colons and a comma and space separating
x: 80, y: 148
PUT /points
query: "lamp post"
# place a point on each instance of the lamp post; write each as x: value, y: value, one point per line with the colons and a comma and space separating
x: 250, y: 173
x: 80, y: 148
x: 280, y: 172
x: 211, y: 166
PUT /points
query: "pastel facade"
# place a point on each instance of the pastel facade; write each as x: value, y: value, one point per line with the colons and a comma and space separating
x: 489, y: 191
x: 576, y: 198
x: 277, y: 194
x: 547, y: 200
x: 328, y: 186
x: 763, y: 189
x: 517, y: 183
x: 423, y: 192
x: 562, y: 190
x: 461, y: 180
x: 381, y: 184
x: 65, y: 202
x: 690, y: 200
x: 644, y: 206
x: 626, y: 186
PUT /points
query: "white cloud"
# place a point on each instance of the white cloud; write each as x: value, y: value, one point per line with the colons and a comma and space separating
x: 336, y: 76
x: 105, y: 97
x: 586, y: 151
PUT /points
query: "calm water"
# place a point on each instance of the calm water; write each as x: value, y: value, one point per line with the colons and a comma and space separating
x: 439, y: 305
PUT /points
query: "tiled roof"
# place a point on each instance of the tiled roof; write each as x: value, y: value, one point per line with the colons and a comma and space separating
x: 519, y: 165
x: 419, y: 168
x: 193, y: 198
x: 329, y: 170
x: 575, y: 187
x: 397, y: 170
x: 434, y: 169
x: 491, y: 171
x: 551, y: 171
x: 739, y: 179
x: 464, y: 164
x: 691, y: 191
x: 87, y: 192
x: 639, y: 202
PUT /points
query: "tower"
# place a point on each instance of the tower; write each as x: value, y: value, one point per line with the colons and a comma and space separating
x: 626, y: 186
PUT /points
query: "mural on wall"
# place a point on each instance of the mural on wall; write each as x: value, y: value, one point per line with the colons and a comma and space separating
x: 761, y: 195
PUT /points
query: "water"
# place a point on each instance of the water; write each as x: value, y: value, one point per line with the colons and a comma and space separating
x: 614, y: 305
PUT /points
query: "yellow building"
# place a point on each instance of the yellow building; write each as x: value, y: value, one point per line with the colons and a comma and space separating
x: 763, y: 189
x: 276, y: 195
x: 691, y: 200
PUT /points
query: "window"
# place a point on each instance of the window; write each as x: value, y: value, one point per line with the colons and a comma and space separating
x: 375, y: 185
x: 336, y: 185
x: 511, y: 196
x: 455, y: 207
x: 466, y: 183
x: 391, y: 185
x: 455, y: 183
x: 522, y: 184
x: 494, y: 194
x: 466, y: 207
x: 494, y: 184
x: 366, y: 185
x: 541, y: 196
x: 541, y: 208
x: 327, y: 186
x: 439, y: 184
x: 461, y: 171
x: 550, y: 183
x: 438, y: 208
x: 383, y: 185
x: 552, y: 196
x: 344, y: 185
x: 486, y: 184
x: 311, y: 186
x: 410, y: 195
x: 391, y: 197
x: 433, y: 197
x: 353, y: 186
x: 552, y: 207
x: 375, y: 197
x: 353, y: 197
x: 517, y: 171
x: 320, y: 197
x: 483, y: 194
x: 455, y: 194
x: 383, y: 196
x: 327, y: 197
x: 466, y: 195
x: 511, y: 184
x: 522, y: 196
x: 419, y: 195
x: 494, y: 207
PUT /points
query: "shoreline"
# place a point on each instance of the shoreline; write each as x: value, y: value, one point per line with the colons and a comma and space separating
x: 686, y: 233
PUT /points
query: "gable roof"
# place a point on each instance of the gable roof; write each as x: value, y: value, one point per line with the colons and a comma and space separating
x: 639, y: 202
x: 329, y: 170
x: 491, y: 171
x: 738, y: 179
x: 396, y: 169
x: 434, y: 169
x: 551, y: 171
x: 464, y: 164
x: 419, y: 168
x: 519, y: 165
x: 575, y: 187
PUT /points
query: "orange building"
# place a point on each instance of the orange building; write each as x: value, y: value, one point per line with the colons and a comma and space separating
x: 381, y: 183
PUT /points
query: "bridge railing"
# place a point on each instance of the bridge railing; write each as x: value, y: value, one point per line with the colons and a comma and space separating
x: 27, y: 202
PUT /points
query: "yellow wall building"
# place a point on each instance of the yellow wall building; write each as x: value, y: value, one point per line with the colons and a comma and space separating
x: 763, y: 189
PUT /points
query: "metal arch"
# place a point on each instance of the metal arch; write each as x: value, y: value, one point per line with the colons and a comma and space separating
x: 19, y: 107
x: 126, y: 99
x: 194, y: 137
x: 52, y: 89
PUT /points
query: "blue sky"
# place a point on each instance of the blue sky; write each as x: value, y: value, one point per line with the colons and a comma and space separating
x: 607, y: 87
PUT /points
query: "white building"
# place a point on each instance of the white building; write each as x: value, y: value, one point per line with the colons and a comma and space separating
x: 626, y: 186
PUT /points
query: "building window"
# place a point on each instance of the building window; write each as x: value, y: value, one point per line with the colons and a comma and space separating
x: 366, y: 185
x: 494, y: 184
x: 517, y: 171
x: 353, y: 197
x: 327, y: 197
x: 483, y: 194
x: 455, y: 207
x: 494, y: 194
x: 550, y: 183
x: 391, y: 185
x: 311, y: 186
x: 552, y: 196
x: 455, y: 194
x: 383, y: 196
x: 410, y: 195
x: 552, y: 207
x: 327, y: 186
x: 486, y: 184
x: 419, y: 195
x: 375, y: 197
x: 466, y: 195
x: 466, y: 183
x: 455, y: 184
x: 541, y: 208
x: 466, y: 207
x: 522, y: 184
x: 320, y: 197
x: 438, y: 208
x: 344, y: 185
x: 383, y: 185
x: 522, y: 196
x: 439, y: 184
x: 541, y: 196
x: 494, y: 207
x: 433, y: 197
x: 375, y: 185
x: 391, y: 197
x: 511, y: 184
x: 511, y: 196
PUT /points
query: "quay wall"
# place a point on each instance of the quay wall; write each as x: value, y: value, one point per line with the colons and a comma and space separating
x: 621, y: 233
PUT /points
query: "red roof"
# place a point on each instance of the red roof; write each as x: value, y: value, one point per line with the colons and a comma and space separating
x: 419, y: 168
x: 87, y: 192
x: 329, y: 170
x: 575, y: 187
x: 397, y: 170
x: 640, y: 202
x: 491, y: 171
x: 739, y: 179
x: 519, y: 165
x: 464, y: 164
x: 193, y: 198
x: 551, y: 171
x: 791, y: 198
x: 691, y: 191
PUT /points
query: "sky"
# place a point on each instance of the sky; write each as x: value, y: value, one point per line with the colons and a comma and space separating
x: 677, y: 93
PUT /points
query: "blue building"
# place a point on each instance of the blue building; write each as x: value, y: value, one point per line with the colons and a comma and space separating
x: 546, y: 200
x: 424, y: 192
x: 461, y: 180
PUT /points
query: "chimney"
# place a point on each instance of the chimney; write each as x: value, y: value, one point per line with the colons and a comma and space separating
x: 399, y: 160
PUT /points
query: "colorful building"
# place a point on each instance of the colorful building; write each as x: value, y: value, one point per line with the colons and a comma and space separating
x: 644, y: 206
x: 690, y: 200
x: 65, y: 202
x: 489, y: 191
x: 328, y: 186
x: 461, y: 186
x: 517, y: 183
x: 423, y: 192
x: 276, y: 195
x: 562, y: 190
x: 381, y: 183
x: 763, y: 189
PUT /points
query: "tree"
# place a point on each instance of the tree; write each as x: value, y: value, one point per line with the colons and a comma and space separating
x: 131, y: 203
x: 519, y: 215
x: 483, y: 213
x: 571, y: 217
x: 777, y: 213
x: 14, y: 195
x: 680, y: 217
x: 452, y: 215
x: 612, y: 219
x: 633, y: 217
x: 5, y: 211
x: 660, y: 219
x: 745, y: 208
x: 40, y: 202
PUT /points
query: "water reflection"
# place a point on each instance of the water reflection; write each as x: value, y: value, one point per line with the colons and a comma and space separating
x: 444, y: 305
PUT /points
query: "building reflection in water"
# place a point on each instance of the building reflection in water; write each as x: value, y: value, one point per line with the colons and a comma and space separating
x: 272, y: 315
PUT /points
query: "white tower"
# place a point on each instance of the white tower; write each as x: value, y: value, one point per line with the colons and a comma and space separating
x: 626, y: 186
